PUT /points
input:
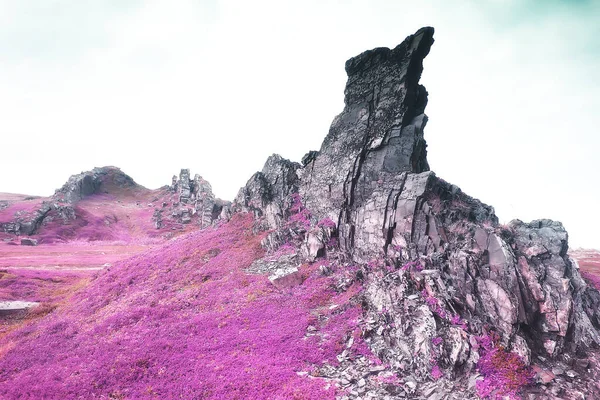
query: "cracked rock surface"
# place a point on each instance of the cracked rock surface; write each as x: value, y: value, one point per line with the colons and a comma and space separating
x: 194, y: 201
x: 437, y: 266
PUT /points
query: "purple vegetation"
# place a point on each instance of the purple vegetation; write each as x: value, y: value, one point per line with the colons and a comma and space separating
x: 38, y: 286
x: 48, y: 288
x: 412, y: 265
x: 436, y: 372
x: 592, y: 278
x: 66, y: 255
x: 504, y: 373
x: 185, y: 321
x: 300, y: 215
x: 326, y: 223
x: 434, y: 304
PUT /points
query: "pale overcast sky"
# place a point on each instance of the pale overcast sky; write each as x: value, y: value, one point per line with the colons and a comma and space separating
x: 218, y: 86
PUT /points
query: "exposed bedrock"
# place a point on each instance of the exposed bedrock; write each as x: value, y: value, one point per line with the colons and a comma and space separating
x: 98, y: 180
x: 472, y: 276
x: 267, y: 193
x: 60, y: 205
x: 195, y: 201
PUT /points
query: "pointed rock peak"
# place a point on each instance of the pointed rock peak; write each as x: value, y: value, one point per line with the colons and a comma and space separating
x: 432, y: 256
x: 278, y: 166
x: 269, y: 189
x: 276, y: 159
x: 379, y: 134
x: 420, y: 43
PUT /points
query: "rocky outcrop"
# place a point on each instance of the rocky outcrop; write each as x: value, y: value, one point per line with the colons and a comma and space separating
x: 27, y: 223
x: 378, y: 135
x: 267, y: 193
x: 98, y: 180
x: 437, y: 266
x: 195, y: 201
x: 61, y: 205
x: 186, y: 201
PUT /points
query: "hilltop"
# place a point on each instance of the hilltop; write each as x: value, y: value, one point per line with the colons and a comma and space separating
x: 106, y: 204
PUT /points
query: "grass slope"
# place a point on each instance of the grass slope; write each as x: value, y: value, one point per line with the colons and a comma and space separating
x: 185, y: 320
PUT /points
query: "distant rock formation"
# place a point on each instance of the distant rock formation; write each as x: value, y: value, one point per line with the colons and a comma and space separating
x: 458, y: 275
x: 98, y: 180
x: 60, y: 206
x: 194, y: 201
x: 185, y: 201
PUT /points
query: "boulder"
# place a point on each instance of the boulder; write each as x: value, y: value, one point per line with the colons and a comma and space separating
x: 28, y: 242
x: 17, y: 306
x: 286, y: 278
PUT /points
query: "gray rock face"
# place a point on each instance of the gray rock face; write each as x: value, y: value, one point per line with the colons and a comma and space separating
x: 449, y: 270
x: 552, y: 287
x: 378, y: 135
x: 196, y: 201
x: 92, y: 182
x: 28, y: 242
x: 184, y: 185
x: 98, y: 180
x: 267, y: 193
x: 27, y: 223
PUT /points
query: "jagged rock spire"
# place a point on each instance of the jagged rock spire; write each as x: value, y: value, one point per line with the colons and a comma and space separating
x: 380, y: 130
x: 371, y: 177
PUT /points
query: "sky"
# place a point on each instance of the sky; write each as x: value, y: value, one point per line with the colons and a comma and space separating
x: 217, y: 86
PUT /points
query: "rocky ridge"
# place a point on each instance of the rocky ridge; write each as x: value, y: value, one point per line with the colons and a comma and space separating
x: 187, y: 200
x: 98, y: 180
x: 60, y: 206
x: 446, y: 287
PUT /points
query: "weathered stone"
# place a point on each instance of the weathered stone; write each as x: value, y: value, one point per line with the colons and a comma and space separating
x: 97, y: 180
x: 271, y: 264
x: 184, y: 186
x: 267, y: 193
x: 11, y: 307
x: 157, y: 218
x: 286, y: 278
x: 11, y: 227
x: 371, y: 177
x: 315, y: 243
x: 27, y: 223
x: 520, y: 347
x: 29, y: 242
x: 198, y: 201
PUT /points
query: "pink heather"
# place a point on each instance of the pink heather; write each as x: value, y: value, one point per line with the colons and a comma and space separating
x: 184, y: 320
x: 504, y: 373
